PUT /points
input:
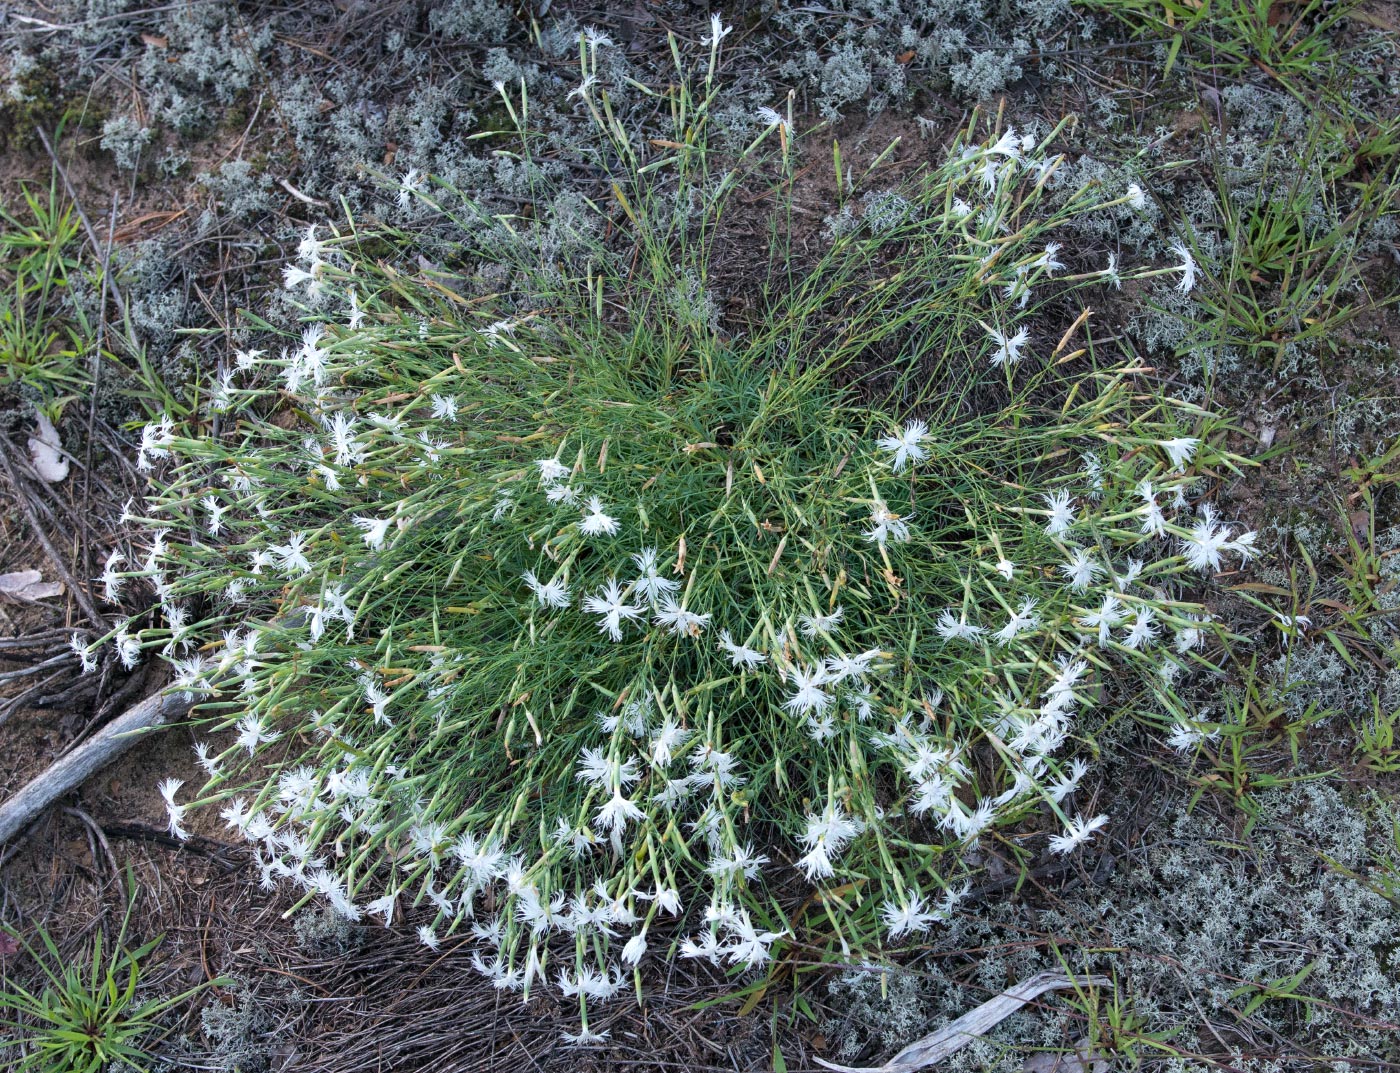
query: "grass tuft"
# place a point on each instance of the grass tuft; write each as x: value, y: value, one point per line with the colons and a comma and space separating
x: 559, y: 612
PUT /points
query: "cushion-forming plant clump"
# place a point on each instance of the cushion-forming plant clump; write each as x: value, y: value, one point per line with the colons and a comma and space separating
x: 589, y: 630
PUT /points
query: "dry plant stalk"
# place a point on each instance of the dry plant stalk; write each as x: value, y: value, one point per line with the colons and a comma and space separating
x: 71, y: 771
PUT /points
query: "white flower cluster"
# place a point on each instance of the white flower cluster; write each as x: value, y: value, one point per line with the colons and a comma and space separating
x: 557, y: 682
x: 834, y: 688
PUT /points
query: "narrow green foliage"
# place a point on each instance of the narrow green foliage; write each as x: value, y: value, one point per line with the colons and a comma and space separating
x: 1293, y: 44
x: 1289, y: 281
x: 564, y: 610
x: 1243, y: 745
x: 44, y: 339
x: 89, y: 1014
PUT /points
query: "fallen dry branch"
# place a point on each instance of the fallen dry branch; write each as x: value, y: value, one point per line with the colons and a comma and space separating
x: 953, y: 1037
x: 72, y: 770
x: 41, y: 534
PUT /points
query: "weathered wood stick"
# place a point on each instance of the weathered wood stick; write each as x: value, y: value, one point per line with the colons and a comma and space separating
x: 71, y: 771
x: 953, y: 1037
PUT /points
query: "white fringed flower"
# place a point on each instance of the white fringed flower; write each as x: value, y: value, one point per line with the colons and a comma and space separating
x: 1077, y: 831
x: 952, y: 627
x: 1187, y: 268
x: 808, y: 696
x: 650, y: 583
x: 886, y: 526
x: 771, y: 117
x: 128, y: 649
x: 374, y: 530
x: 1206, y: 540
x: 597, y: 522
x: 613, y: 608
x: 174, y: 813
x: 678, y: 620
x: 811, y: 625
x: 1008, y: 347
x: 79, y: 647
x: 718, y: 31
x: 1180, y: 450
x: 906, y: 446
x: 1022, y: 620
x: 635, y: 949
x: 825, y: 837
x: 410, y: 185
x: 910, y: 915
x: 1082, y: 570
x: 552, y: 593
x: 551, y: 471
x: 1061, y: 513
x: 740, y: 655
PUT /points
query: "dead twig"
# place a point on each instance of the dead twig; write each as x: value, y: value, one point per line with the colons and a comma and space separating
x: 35, y: 640
x: 307, y: 198
x: 957, y: 1035
x: 95, y: 832
x: 71, y: 771
x: 221, y: 853
x: 33, y: 693
x: 79, y: 593
x: 36, y: 668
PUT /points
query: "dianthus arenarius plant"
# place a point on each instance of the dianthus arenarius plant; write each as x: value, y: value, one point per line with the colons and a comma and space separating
x: 578, y: 624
